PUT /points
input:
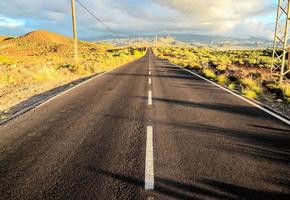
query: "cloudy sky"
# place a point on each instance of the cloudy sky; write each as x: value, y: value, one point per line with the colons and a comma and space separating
x: 240, y: 18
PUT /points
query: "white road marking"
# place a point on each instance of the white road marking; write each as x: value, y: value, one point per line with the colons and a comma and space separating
x: 149, y: 169
x: 241, y: 97
x: 149, y: 97
x: 149, y: 72
x: 149, y: 81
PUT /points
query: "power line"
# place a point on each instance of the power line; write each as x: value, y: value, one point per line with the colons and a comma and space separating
x: 98, y: 19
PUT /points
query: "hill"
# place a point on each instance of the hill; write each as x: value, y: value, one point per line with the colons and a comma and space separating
x: 3, y: 37
x: 39, y: 37
x: 36, y: 42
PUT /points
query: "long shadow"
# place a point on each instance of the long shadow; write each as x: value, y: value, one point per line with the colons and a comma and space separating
x: 273, y: 146
x: 205, y: 187
x: 271, y: 128
x: 243, y: 192
x: 233, y: 109
x: 258, y: 144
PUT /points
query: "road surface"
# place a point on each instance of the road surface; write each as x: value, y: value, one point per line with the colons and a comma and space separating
x: 146, y: 130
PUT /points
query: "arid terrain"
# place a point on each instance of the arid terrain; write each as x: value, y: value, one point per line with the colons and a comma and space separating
x: 246, y: 72
x: 42, y: 60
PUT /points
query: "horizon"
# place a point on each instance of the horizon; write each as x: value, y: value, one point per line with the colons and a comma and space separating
x: 174, y: 35
x: 152, y: 17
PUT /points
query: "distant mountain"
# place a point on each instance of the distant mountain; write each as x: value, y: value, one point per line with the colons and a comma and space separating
x: 196, y: 39
x: 210, y: 39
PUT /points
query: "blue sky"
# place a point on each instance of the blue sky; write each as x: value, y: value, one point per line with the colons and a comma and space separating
x: 240, y: 18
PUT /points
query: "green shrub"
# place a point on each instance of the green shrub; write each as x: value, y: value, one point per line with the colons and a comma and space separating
x: 195, y: 66
x: 249, y: 93
x: 209, y: 73
x: 221, y: 68
x: 232, y: 86
x: 69, y: 67
x: 286, y: 90
x: 251, y: 85
x: 222, y: 79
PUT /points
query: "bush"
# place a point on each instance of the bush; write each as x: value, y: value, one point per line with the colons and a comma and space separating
x: 209, y: 73
x: 195, y: 66
x: 249, y: 93
x: 251, y: 85
x: 222, y: 68
x: 222, y: 79
x: 275, y: 88
x: 286, y: 91
x: 232, y: 86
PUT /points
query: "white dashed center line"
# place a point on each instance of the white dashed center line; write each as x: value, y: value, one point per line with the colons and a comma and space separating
x: 149, y: 81
x: 149, y: 170
x: 149, y: 97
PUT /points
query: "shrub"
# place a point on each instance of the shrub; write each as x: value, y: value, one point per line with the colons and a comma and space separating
x: 222, y: 79
x: 249, y: 93
x: 221, y: 68
x: 286, y: 91
x: 69, y: 67
x: 255, y: 75
x: 209, y: 73
x: 232, y: 86
x: 251, y: 84
x: 195, y: 66
x: 274, y: 88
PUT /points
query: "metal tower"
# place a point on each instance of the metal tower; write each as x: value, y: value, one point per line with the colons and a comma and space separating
x: 280, y: 64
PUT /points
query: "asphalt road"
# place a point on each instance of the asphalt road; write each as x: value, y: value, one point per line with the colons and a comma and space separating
x: 107, y: 139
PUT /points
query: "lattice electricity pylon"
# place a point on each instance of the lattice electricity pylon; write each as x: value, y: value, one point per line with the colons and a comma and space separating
x: 280, y: 64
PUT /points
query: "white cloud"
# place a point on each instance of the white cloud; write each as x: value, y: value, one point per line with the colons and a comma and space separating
x: 224, y: 17
x: 6, y: 22
x: 209, y: 10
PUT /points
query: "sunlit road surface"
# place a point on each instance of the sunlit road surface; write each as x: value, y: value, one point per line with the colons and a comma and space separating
x: 146, y: 130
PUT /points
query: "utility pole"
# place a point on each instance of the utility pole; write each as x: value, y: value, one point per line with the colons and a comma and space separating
x: 156, y: 41
x: 74, y: 30
x: 280, y: 67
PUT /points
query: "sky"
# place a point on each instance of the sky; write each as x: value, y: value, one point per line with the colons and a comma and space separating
x: 236, y: 18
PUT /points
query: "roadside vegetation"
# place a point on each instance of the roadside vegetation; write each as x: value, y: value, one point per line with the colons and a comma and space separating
x: 245, y: 71
x: 41, y: 60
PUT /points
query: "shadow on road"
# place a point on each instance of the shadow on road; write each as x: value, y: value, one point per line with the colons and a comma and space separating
x: 233, y: 109
x: 203, y: 188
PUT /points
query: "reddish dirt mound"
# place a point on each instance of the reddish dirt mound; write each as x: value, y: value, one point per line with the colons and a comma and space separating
x: 42, y: 36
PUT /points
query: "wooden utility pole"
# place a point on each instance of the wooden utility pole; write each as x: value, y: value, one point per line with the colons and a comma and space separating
x: 156, y: 41
x: 74, y: 30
